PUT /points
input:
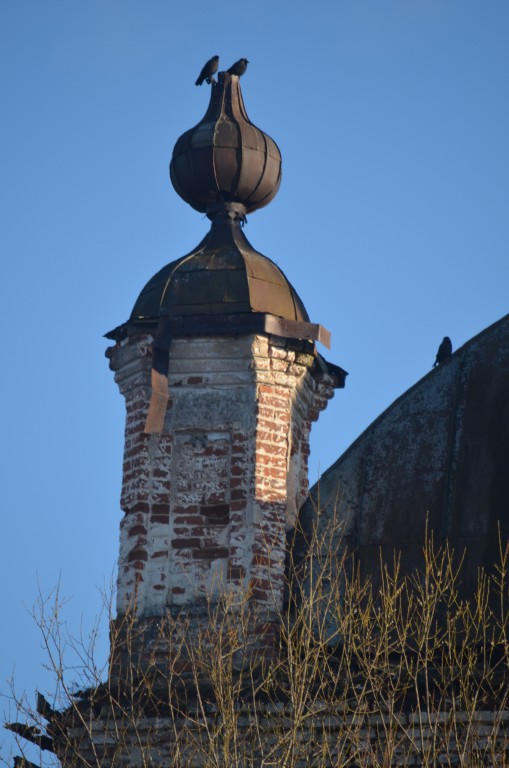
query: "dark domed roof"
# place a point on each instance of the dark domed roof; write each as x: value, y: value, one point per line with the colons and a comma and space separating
x: 225, y: 157
x: 435, y: 462
x: 222, y: 275
x: 225, y: 167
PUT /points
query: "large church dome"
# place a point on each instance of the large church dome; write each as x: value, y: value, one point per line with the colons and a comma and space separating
x: 434, y: 463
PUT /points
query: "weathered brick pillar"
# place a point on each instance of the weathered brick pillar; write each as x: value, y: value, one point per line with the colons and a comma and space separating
x: 208, y: 501
x: 222, y: 381
x: 219, y: 404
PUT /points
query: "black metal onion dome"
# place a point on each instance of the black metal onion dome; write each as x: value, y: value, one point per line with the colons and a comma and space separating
x: 224, y: 167
x: 225, y: 157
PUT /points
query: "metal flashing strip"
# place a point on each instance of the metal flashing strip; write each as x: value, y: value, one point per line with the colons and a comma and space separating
x: 158, y: 403
x: 254, y: 322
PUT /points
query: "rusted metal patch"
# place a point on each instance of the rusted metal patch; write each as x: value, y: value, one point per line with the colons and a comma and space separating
x: 158, y: 403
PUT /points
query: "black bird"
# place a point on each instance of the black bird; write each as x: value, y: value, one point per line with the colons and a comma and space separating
x: 208, y: 71
x: 238, y: 68
x: 444, y: 351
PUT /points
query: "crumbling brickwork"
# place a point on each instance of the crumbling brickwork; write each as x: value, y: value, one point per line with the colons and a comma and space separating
x: 327, y: 739
x: 208, y: 501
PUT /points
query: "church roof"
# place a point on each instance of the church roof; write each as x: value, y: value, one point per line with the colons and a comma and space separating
x: 225, y: 167
x: 222, y: 275
x: 226, y: 157
x: 435, y: 460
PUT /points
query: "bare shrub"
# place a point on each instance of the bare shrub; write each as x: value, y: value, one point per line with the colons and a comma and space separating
x: 413, y: 674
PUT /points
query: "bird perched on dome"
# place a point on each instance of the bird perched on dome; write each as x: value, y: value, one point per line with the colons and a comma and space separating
x: 208, y: 71
x: 238, y: 68
x: 444, y: 351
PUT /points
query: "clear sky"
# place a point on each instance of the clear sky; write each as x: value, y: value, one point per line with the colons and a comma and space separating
x: 392, y: 117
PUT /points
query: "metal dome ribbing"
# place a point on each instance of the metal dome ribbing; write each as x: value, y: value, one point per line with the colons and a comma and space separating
x: 224, y: 167
x: 225, y: 157
x: 223, y: 275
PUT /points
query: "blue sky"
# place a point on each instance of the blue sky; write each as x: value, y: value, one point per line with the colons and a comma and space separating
x: 391, y: 222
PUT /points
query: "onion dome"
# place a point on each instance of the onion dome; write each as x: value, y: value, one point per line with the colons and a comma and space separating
x: 224, y: 167
x: 225, y: 157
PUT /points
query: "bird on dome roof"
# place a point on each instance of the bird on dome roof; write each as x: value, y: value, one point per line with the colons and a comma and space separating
x: 238, y: 68
x: 208, y: 71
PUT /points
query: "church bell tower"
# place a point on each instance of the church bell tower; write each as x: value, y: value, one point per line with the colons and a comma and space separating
x: 222, y: 381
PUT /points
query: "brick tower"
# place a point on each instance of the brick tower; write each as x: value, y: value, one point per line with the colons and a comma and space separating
x: 222, y: 382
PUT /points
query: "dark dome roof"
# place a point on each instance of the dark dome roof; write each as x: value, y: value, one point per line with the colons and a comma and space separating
x: 225, y: 157
x: 435, y: 462
x: 222, y: 275
x: 225, y: 166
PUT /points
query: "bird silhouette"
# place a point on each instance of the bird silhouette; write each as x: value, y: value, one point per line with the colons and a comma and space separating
x: 238, y: 68
x: 208, y: 71
x: 444, y: 351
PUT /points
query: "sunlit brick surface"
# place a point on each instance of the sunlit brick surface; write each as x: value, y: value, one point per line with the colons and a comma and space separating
x: 208, y: 501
